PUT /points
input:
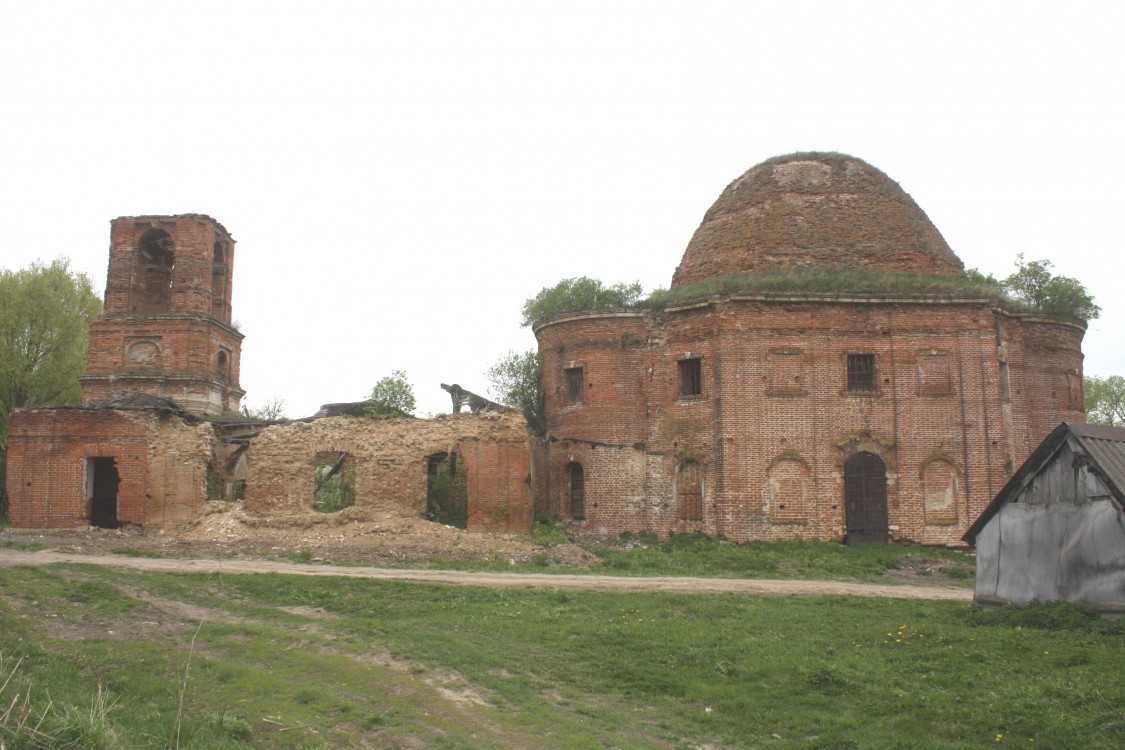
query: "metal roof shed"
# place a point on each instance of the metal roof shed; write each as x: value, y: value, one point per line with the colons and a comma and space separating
x: 1056, y: 531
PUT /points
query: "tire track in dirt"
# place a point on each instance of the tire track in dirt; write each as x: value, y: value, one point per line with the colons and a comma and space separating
x: 673, y: 584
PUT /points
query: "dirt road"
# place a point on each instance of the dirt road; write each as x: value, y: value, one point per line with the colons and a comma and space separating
x: 9, y: 558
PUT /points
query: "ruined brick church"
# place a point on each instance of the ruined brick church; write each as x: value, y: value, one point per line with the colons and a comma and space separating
x: 157, y: 434
x: 802, y: 414
x: 761, y: 414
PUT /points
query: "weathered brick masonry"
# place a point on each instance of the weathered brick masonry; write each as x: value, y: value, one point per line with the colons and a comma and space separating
x: 776, y: 413
x: 166, y: 329
x: 862, y: 417
x: 389, y: 458
x: 760, y: 440
x: 163, y: 355
x: 161, y: 462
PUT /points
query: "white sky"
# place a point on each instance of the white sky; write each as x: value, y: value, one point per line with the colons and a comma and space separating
x: 401, y: 176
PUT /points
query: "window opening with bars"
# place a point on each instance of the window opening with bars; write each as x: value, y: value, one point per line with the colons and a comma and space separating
x: 691, y: 377
x: 861, y: 372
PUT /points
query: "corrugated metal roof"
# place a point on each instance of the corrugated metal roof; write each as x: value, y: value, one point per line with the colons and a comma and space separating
x: 1106, y: 445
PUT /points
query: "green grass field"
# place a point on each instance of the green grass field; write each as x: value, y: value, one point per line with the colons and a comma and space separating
x: 100, y: 658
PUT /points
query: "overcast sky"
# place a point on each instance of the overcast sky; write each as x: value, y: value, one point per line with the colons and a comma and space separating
x: 401, y: 176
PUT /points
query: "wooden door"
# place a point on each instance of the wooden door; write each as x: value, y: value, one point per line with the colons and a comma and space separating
x: 865, y: 499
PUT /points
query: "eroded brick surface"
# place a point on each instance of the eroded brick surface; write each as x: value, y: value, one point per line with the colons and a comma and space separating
x: 814, y: 211
x: 161, y: 461
x: 390, y: 460
x: 775, y: 421
x: 166, y: 329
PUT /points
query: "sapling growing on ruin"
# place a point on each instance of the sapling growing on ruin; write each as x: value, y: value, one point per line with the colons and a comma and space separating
x: 392, y: 397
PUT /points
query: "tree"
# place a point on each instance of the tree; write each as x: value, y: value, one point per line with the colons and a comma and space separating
x: 393, y: 396
x: 271, y: 410
x: 1057, y: 296
x: 1105, y: 400
x: 44, y: 314
x: 513, y: 380
x: 576, y: 295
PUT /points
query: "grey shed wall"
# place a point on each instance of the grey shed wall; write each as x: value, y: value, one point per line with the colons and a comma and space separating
x: 1062, y: 539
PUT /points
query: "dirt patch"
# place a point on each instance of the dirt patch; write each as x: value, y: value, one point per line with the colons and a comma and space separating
x: 316, y: 613
x: 226, y: 540
x: 447, y: 683
x: 669, y: 584
x: 354, y: 535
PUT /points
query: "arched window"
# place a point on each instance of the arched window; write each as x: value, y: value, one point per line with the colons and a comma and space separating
x: 689, y: 491
x: 576, y: 490
x: 222, y: 364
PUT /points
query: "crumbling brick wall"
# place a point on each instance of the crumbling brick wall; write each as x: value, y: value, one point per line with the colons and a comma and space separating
x: 390, y: 460
x: 161, y: 462
x: 167, y: 328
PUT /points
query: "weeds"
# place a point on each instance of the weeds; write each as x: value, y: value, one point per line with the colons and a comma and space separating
x: 183, y: 686
x: 1066, y: 616
x: 549, y: 533
x: 830, y: 281
x: 27, y: 723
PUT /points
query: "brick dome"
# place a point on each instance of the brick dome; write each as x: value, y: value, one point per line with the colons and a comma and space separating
x: 814, y: 210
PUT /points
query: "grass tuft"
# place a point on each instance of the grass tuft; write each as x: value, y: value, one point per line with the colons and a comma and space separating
x: 27, y: 721
x: 1065, y: 616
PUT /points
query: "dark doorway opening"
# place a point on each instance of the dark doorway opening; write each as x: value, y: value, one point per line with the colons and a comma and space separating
x: 102, y: 481
x: 576, y: 490
x: 447, y: 490
x: 865, y: 498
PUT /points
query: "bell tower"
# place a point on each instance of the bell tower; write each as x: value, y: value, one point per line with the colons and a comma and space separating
x: 166, y: 329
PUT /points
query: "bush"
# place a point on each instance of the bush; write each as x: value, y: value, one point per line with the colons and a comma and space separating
x: 514, y: 381
x: 576, y: 295
x: 392, y: 397
x: 1056, y: 296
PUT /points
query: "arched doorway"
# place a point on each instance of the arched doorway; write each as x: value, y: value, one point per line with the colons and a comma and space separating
x: 865, y: 499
